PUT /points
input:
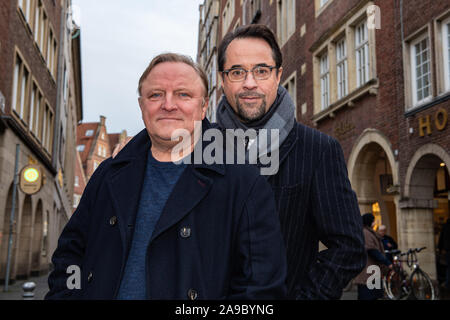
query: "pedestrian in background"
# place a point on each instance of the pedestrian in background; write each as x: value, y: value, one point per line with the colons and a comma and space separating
x: 375, y: 256
x: 389, y: 243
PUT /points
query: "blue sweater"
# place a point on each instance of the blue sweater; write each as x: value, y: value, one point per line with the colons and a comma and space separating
x: 160, y: 179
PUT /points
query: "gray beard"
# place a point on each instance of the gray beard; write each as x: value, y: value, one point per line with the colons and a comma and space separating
x: 246, y: 116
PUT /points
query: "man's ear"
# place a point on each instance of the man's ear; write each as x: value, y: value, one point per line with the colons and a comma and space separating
x: 205, y: 106
x: 279, y: 73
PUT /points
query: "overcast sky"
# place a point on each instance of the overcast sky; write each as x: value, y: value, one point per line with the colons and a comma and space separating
x: 118, y: 40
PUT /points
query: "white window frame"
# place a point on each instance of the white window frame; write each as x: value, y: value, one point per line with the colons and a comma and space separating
x: 89, y: 133
x: 81, y: 147
x: 291, y: 86
x: 285, y: 20
x: 228, y: 16
x: 324, y: 63
x: 446, y: 52
x: 342, y: 68
x: 32, y: 110
x: 412, y: 53
x: 77, y: 181
x: 21, y: 85
x: 362, y: 53
x: 323, y: 2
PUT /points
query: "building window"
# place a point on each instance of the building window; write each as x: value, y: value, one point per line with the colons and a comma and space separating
x: 362, y: 53
x: 324, y: 81
x: 291, y: 86
x: 95, y: 165
x: 77, y: 181
x: 51, y: 56
x: 254, y: 12
x: 341, y: 68
x: 446, y: 53
x: 35, y: 108
x: 348, y: 68
x: 89, y: 133
x: 47, y: 124
x: 285, y: 19
x: 420, y: 70
x: 20, y: 88
x: 39, y: 114
x: 228, y: 15
x: 37, y: 22
x: 323, y: 2
x: 76, y: 200
x: 80, y: 148
x: 42, y: 29
x: 26, y: 6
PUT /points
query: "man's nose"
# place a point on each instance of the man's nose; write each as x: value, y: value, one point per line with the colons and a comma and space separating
x: 249, y: 81
x: 169, y: 103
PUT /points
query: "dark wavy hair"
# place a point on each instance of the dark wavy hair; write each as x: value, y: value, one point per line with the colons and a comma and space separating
x: 258, y: 31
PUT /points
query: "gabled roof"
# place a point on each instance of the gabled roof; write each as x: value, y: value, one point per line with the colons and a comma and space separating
x: 87, y: 141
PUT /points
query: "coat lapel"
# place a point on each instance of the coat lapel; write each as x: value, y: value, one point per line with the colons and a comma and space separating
x: 190, y: 189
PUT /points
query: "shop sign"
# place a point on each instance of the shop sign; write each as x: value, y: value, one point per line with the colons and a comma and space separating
x: 30, y: 179
x: 440, y: 122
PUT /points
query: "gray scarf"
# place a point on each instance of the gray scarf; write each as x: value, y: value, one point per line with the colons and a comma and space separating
x: 281, y: 116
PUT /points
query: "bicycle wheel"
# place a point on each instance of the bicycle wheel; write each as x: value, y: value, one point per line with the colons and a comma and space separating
x: 422, y: 287
x: 396, y: 286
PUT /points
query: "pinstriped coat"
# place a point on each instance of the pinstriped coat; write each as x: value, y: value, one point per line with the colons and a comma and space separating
x: 315, y: 203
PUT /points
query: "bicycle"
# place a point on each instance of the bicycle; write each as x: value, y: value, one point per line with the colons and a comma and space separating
x: 399, y: 285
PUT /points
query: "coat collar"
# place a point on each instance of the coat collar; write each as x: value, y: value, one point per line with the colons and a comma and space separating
x: 140, y: 145
x: 126, y: 177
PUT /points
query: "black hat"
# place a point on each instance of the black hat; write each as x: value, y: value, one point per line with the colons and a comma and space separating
x: 368, y: 219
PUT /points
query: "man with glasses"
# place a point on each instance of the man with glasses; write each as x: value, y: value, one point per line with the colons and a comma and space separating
x: 314, y: 198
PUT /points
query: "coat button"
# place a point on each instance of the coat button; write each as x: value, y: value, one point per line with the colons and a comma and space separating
x: 192, y: 294
x: 113, y: 220
x: 185, y: 232
x: 89, y: 278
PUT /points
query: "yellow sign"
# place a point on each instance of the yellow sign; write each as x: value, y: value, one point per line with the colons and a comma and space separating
x: 30, y: 179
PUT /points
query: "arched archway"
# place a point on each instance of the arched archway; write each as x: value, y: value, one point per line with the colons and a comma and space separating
x: 5, y: 237
x: 373, y: 173
x: 37, y: 240
x: 426, y: 203
x: 25, y: 235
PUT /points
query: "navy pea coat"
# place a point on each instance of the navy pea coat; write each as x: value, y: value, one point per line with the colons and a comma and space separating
x: 218, y: 236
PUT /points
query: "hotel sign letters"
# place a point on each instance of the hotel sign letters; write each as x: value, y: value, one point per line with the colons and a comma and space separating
x: 440, y: 122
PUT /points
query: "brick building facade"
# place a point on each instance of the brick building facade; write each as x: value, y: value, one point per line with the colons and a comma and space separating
x: 94, y: 145
x: 376, y: 76
x: 40, y: 81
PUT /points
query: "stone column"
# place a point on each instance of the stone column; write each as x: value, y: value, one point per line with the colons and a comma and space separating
x: 417, y: 230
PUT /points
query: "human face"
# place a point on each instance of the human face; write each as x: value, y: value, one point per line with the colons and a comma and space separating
x: 172, y: 98
x: 250, y: 99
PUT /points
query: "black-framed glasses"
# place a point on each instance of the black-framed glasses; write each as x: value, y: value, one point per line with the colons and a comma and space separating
x: 240, y: 74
